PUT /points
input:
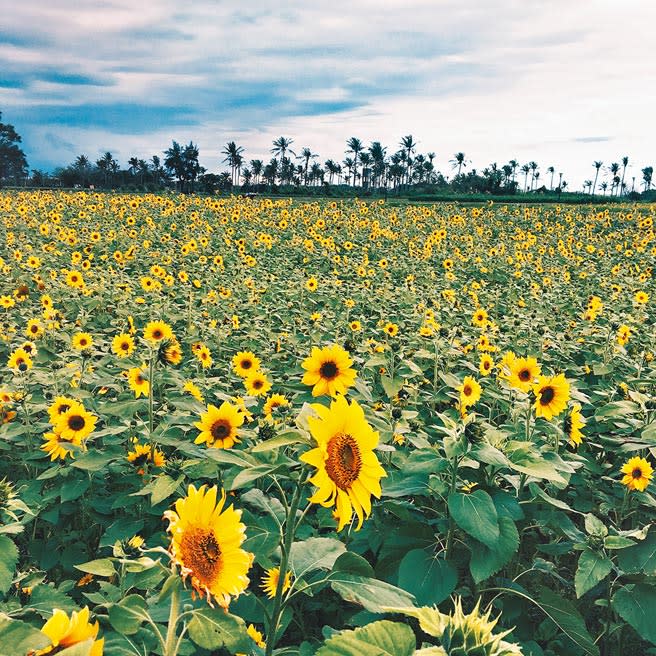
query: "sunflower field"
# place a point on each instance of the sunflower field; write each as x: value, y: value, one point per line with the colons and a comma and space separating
x: 255, y: 426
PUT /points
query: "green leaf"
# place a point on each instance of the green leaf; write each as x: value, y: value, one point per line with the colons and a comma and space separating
x: 635, y: 605
x: 594, y: 526
x: 284, y: 439
x: 568, y: 619
x: 431, y: 580
x: 352, y: 563
x: 373, y: 594
x: 641, y: 558
x: 163, y: 488
x: 252, y: 473
x: 313, y: 554
x: 486, y: 561
x: 100, y: 567
x: 476, y: 514
x: 214, y: 629
x: 270, y: 505
x: 79, y: 649
x: 391, y: 387
x: 93, y: 461
x: 383, y: 638
x: 8, y: 560
x: 618, y: 542
x: 592, y: 569
x: 126, y: 616
x: 19, y: 637
x: 72, y: 490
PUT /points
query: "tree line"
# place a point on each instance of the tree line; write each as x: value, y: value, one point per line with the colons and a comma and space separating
x: 370, y: 168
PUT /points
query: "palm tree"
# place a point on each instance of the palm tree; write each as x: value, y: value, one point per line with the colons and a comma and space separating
x: 365, y: 160
x: 647, y: 174
x: 157, y: 168
x: 349, y: 164
x: 587, y: 185
x: 377, y: 153
x: 133, y: 165
x: 526, y: 169
x: 174, y: 162
x: 306, y: 155
x: 604, y: 186
x: 281, y: 146
x: 270, y: 172
x: 597, y: 165
x: 354, y: 145
x: 108, y: 165
x: 142, y: 167
x: 534, y: 167
x: 256, y: 169
x: 551, y: 170
x: 332, y: 168
x: 625, y: 163
x: 408, y: 146
x: 614, y: 170
x: 317, y: 173
x: 513, y: 164
x: 81, y: 165
x: 234, y: 158
x: 458, y: 161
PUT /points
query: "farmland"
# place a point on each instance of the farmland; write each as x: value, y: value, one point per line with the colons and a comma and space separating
x: 275, y: 426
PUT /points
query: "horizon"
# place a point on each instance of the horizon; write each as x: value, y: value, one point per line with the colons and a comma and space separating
x: 104, y: 78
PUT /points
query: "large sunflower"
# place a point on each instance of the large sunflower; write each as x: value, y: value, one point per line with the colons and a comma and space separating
x: 157, y: 331
x: 206, y: 543
x: 637, y: 473
x: 257, y: 384
x: 123, y: 345
x: 138, y: 382
x: 523, y: 372
x: 470, y: 393
x: 573, y: 425
x: 64, y: 632
x: 54, y: 445
x: 329, y: 371
x: 348, y: 471
x: 245, y: 363
x: 76, y: 423
x: 552, y: 395
x: 219, y: 427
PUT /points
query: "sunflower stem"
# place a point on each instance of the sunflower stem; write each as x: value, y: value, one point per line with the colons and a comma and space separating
x: 151, y: 375
x: 290, y: 531
x: 171, y: 645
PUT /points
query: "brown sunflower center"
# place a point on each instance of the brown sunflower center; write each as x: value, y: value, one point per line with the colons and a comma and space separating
x: 124, y: 346
x: 547, y: 395
x: 220, y: 429
x: 76, y: 422
x: 201, y: 553
x: 157, y: 334
x: 524, y: 375
x: 246, y: 364
x: 328, y: 370
x: 636, y: 473
x: 344, y: 460
x: 257, y: 384
x: 467, y: 390
x: 486, y: 365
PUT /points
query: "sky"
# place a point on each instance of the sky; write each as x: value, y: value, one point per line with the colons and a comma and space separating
x: 564, y: 82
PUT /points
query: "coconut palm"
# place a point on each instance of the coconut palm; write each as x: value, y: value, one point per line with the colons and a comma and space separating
x: 647, y: 174
x: 281, y: 146
x: 256, y: 169
x: 551, y: 170
x: 604, y: 186
x: 614, y: 170
x: 625, y: 163
x: 459, y: 160
x: 306, y: 155
x: 354, y: 145
x: 366, y: 161
x: 534, y: 167
x: 377, y: 152
x: 333, y: 169
x: 408, y: 146
x: 350, y: 165
x: 526, y: 169
x: 597, y: 166
x: 233, y: 157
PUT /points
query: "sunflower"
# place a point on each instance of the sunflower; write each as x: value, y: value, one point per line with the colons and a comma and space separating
x: 355, y: 326
x: 257, y: 384
x: 348, y: 471
x: 191, y: 388
x: 204, y: 356
x: 479, y: 319
x: 637, y: 474
x: 219, y: 427
x: 206, y: 543
x: 157, y: 331
x: 59, y: 406
x: 170, y: 352
x: 256, y: 636
x: 64, y: 632
x: 573, y: 425
x: 328, y: 370
x: 391, y: 329
x: 552, y: 395
x: 470, y: 393
x: 274, y: 402
x: 123, y: 345
x: 82, y: 341
x: 641, y: 298
x: 623, y: 335
x: 19, y: 360
x: 138, y: 382
x: 76, y: 423
x: 144, y: 454
x: 523, y: 372
x: 270, y: 581
x: 34, y: 328
x: 54, y: 445
x: 311, y: 285
x: 486, y: 364
x: 244, y: 363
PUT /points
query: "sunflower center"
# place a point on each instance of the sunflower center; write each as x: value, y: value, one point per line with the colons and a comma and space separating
x: 547, y: 395
x: 124, y: 346
x: 257, y: 384
x: 246, y: 364
x: 636, y: 473
x: 220, y: 429
x: 201, y: 553
x: 467, y: 390
x: 524, y: 375
x: 344, y: 460
x: 157, y: 334
x: 76, y: 422
x: 328, y: 370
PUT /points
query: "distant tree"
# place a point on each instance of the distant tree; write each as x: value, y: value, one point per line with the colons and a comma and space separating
x: 233, y: 157
x: 459, y: 160
x: 366, y: 160
x: 174, y: 162
x: 281, y: 146
x: 333, y: 169
x: 377, y: 152
x: 305, y: 156
x: 647, y: 174
x: 551, y: 170
x: 604, y: 187
x: 408, y: 146
x: 247, y: 177
x: 587, y: 185
x: 270, y: 172
x: 625, y: 163
x: 83, y: 168
x: 513, y: 163
x: 108, y: 166
x: 157, y: 169
x: 133, y: 165
x: 349, y: 164
x: 597, y: 166
x: 183, y: 164
x: 614, y: 170
x: 526, y: 169
x: 354, y: 145
x: 13, y: 164
x: 256, y: 169
x: 534, y: 167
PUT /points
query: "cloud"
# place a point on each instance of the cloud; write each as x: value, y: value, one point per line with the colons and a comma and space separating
x: 501, y: 80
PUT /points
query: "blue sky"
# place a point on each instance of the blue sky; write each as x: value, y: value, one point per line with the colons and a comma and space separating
x: 564, y: 83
